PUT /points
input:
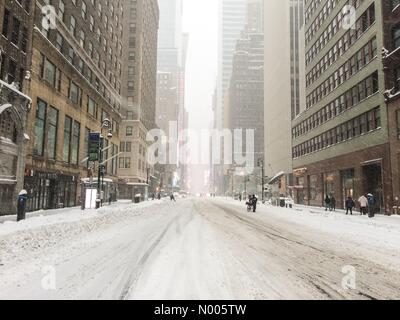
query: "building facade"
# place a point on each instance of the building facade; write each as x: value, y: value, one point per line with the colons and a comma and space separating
x: 340, y: 142
x: 170, y: 110
x: 16, y: 25
x: 246, y: 90
x: 139, y: 83
x: 391, y: 60
x: 75, y: 85
x: 283, y: 88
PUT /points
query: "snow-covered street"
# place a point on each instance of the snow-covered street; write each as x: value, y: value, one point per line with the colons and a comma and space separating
x: 199, y: 249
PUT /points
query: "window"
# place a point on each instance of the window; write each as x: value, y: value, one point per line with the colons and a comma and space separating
x: 86, y: 146
x: 52, y: 133
x: 50, y: 73
x: 67, y: 139
x: 129, y: 131
x: 398, y: 123
x: 396, y: 37
x: 6, y: 22
x: 76, y: 131
x: 15, y: 31
x: 91, y: 107
x: 74, y: 92
x: 40, y: 122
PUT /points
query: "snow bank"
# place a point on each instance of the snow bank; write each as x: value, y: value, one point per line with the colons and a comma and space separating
x: 47, y: 231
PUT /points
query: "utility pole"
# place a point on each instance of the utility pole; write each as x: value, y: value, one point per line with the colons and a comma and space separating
x: 106, y: 124
x: 261, y: 164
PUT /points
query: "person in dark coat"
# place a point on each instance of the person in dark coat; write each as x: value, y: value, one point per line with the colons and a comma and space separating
x: 350, y: 204
x: 333, y: 203
x: 327, y: 202
x: 371, y: 205
x: 254, y: 200
x: 21, y: 206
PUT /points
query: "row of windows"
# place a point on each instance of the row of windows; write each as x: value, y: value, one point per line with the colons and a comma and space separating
x: 347, y: 70
x: 325, y: 12
x: 365, y: 123
x: 15, y: 31
x: 9, y: 70
x: 349, y: 99
x: 311, y: 9
x: 125, y: 163
x: 80, y: 65
x: 110, y: 69
x: 319, y: 20
x: 46, y: 131
x: 337, y: 50
x: 53, y: 76
x: 361, y: 25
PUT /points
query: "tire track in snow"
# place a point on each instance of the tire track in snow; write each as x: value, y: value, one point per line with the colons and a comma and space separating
x: 326, y: 278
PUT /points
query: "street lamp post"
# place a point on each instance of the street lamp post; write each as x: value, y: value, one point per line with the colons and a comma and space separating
x: 106, y: 124
x: 261, y: 162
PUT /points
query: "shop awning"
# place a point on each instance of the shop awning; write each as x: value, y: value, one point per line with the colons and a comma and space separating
x: 276, y: 177
x: 137, y: 184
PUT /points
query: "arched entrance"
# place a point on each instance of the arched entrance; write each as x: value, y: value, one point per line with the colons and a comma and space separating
x: 9, y: 159
x: 12, y: 155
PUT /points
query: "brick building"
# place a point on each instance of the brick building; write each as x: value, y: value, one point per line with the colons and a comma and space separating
x: 340, y: 143
x: 75, y: 85
x: 139, y: 79
x: 391, y: 29
x: 16, y: 24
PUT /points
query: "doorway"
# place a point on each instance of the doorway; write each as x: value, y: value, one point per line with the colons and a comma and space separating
x: 373, y: 183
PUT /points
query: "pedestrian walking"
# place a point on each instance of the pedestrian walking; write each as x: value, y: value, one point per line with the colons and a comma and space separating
x: 350, y: 205
x: 327, y: 203
x: 371, y: 205
x: 333, y: 203
x: 255, y: 201
x: 173, y: 197
x: 363, y: 201
x: 21, y: 206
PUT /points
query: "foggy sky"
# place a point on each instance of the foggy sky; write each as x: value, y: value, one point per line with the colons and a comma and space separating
x: 201, y: 22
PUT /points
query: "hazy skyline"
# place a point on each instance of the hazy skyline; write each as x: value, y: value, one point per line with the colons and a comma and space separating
x: 200, y: 20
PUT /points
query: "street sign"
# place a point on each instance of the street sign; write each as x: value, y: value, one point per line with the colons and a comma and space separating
x: 94, y: 146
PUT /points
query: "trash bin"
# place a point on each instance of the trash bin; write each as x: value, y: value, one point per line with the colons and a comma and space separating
x: 282, y: 202
x: 137, y: 198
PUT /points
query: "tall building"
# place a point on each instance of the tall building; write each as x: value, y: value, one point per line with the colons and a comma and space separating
x: 391, y: 30
x: 282, y: 87
x: 75, y: 85
x: 246, y: 90
x: 16, y: 25
x: 172, y: 48
x: 232, y: 20
x: 139, y: 83
x: 340, y: 142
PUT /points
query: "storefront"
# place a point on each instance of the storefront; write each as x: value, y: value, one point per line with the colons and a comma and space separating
x: 351, y: 175
x: 50, y: 190
x: 131, y: 190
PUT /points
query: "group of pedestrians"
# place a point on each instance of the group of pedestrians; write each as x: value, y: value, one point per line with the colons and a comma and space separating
x: 330, y: 203
x: 367, y: 204
x: 251, y: 203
